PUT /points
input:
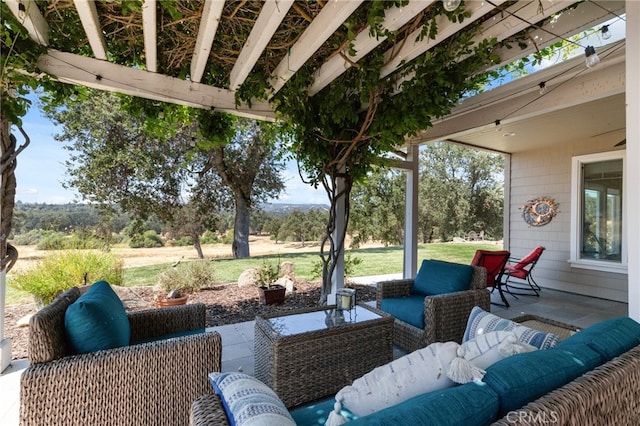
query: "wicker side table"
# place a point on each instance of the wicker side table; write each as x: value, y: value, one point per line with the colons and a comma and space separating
x: 308, y: 354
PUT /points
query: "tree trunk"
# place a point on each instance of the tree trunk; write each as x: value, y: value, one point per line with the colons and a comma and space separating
x: 240, y: 246
x: 197, y: 245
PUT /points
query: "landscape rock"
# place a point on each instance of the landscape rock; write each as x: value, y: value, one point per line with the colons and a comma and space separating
x: 286, y: 283
x: 287, y: 270
x: 24, y: 321
x: 248, y: 277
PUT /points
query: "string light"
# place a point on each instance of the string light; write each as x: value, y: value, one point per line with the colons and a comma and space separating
x: 606, y: 34
x: 22, y: 11
x: 592, y: 57
x: 543, y: 87
x: 450, y: 5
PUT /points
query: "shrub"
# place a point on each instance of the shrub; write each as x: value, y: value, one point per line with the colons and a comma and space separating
x: 350, y: 264
x: 52, y: 241
x: 183, y: 241
x: 188, y: 277
x: 65, y: 269
x: 209, y: 238
x: 148, y: 240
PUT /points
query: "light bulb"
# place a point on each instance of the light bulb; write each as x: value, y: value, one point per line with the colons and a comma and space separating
x: 450, y: 5
x: 592, y: 57
x: 22, y: 11
x: 606, y: 34
x: 543, y: 87
x: 498, y: 126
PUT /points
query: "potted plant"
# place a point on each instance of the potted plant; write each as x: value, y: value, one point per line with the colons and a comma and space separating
x: 266, y: 276
x: 175, y: 283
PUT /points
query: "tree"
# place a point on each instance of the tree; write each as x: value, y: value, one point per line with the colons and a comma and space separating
x: 460, y: 191
x: 342, y: 132
x: 210, y: 160
x: 378, y: 208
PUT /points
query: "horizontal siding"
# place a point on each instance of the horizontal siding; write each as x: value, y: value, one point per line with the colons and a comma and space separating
x: 542, y: 173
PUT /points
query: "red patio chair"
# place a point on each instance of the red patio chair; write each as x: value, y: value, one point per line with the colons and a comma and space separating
x: 494, y: 262
x: 518, y: 275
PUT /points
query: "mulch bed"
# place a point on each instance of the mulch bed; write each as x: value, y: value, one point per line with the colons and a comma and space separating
x: 226, y: 304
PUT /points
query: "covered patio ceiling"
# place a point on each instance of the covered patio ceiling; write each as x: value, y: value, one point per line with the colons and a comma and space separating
x: 200, y: 53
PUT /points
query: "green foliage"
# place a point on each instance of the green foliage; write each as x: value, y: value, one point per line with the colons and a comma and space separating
x: 209, y: 237
x: 65, y: 269
x: 268, y: 273
x: 188, y: 277
x: 350, y: 264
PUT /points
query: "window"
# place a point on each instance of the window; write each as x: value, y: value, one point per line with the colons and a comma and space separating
x: 597, y: 206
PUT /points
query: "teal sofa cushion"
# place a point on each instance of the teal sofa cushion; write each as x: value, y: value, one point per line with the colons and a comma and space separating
x: 470, y: 404
x: 97, y: 320
x: 316, y: 414
x: 522, y: 378
x: 409, y: 309
x: 610, y: 338
x: 170, y: 336
x: 439, y: 277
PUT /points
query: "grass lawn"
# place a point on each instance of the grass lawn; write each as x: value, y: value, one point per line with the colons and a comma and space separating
x: 375, y: 261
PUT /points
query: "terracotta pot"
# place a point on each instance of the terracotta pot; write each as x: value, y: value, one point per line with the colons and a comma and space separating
x: 272, y: 295
x: 171, y: 302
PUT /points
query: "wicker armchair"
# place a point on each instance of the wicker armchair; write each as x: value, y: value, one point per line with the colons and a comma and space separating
x: 150, y: 383
x: 445, y: 315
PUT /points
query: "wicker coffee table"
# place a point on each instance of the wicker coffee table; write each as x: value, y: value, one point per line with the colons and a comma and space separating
x: 308, y: 354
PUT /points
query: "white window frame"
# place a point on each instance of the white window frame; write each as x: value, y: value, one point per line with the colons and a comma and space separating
x: 576, y: 214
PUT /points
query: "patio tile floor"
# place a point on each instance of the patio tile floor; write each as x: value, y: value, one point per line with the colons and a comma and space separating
x: 237, y: 351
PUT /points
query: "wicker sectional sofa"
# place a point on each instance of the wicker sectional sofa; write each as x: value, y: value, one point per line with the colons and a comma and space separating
x: 599, y: 387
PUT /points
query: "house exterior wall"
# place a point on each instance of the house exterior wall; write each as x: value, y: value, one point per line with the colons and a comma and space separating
x: 547, y: 173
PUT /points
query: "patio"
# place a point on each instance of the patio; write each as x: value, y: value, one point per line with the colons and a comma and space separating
x: 237, y: 339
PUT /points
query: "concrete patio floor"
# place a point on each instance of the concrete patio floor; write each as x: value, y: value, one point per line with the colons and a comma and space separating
x: 237, y: 339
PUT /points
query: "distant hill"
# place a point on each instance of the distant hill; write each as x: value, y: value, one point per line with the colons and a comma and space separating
x: 287, y: 208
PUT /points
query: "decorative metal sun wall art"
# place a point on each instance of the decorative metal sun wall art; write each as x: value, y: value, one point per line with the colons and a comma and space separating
x: 539, y: 211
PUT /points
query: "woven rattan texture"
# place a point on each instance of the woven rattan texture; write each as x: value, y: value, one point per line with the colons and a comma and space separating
x: 445, y: 315
x: 207, y: 410
x: 147, y: 384
x: 308, y: 366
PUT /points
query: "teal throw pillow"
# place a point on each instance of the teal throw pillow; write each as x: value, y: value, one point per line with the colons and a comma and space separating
x: 523, y: 378
x: 97, y: 320
x: 469, y: 405
x: 439, y: 277
x: 610, y: 338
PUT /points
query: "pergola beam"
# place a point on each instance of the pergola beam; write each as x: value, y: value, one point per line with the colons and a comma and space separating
x: 364, y: 43
x: 211, y: 13
x: 103, y: 75
x: 88, y: 14
x: 415, y: 47
x: 271, y: 15
x: 31, y: 19
x: 149, y: 29
x: 331, y: 17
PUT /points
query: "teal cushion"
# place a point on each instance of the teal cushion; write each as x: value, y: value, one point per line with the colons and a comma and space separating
x: 522, y: 378
x: 610, y: 338
x: 317, y: 413
x: 470, y: 404
x: 169, y: 336
x: 97, y: 320
x: 438, y: 277
x: 409, y: 309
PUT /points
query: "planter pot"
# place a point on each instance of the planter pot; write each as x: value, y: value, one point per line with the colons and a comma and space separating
x: 272, y: 295
x: 160, y: 303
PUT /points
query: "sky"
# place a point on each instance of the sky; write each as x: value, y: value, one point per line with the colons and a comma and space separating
x: 41, y: 171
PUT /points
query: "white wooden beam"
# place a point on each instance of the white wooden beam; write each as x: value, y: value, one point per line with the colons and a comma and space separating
x: 211, y: 13
x: 364, y: 43
x: 331, y: 17
x: 29, y: 16
x: 414, y: 47
x: 103, y: 75
x: 149, y: 29
x: 91, y: 24
x: 271, y: 15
